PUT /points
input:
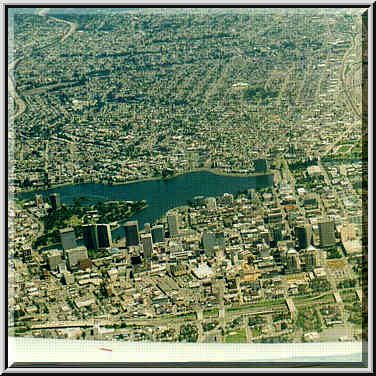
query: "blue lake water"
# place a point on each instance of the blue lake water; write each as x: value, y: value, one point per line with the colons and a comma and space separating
x: 161, y: 195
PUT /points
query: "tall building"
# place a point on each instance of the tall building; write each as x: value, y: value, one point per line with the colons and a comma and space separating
x: 68, y: 238
x: 310, y: 200
x: 234, y: 257
x: 147, y: 227
x: 90, y: 235
x: 219, y: 289
x: 327, y: 233
x: 172, y: 220
x: 175, y: 247
x: 26, y: 255
x: 55, y: 201
x: 68, y: 278
x: 136, y: 260
x: 348, y: 232
x: 147, y: 244
x: 75, y: 255
x: 251, y: 193
x: 157, y: 233
x: 131, y: 233
x: 312, y: 259
x: 263, y: 249
x: 303, y: 235
x: 39, y: 201
x: 277, y: 234
x: 213, y: 239
x: 211, y: 203
x: 293, y: 261
x: 104, y: 236
x: 53, y: 258
x: 265, y: 236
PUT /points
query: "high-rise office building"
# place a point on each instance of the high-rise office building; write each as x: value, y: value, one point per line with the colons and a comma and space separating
x: 62, y: 268
x: 327, y: 233
x: 310, y: 201
x: 303, y: 235
x: 104, y: 236
x: 265, y: 236
x: 55, y: 201
x: 172, y: 220
x: 53, y: 258
x: 234, y: 257
x: 147, y: 244
x: 277, y: 234
x: 263, y: 249
x: 90, y: 236
x: 312, y: 259
x: 293, y: 261
x: 39, y: 201
x: 26, y: 255
x: 147, y: 227
x: 213, y: 239
x: 75, y: 255
x: 136, y: 260
x: 251, y: 193
x: 211, y: 203
x: 68, y: 238
x: 219, y: 289
x: 131, y: 233
x: 157, y: 232
x: 175, y: 247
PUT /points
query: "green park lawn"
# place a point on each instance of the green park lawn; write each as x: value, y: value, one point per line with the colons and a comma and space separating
x: 239, y: 337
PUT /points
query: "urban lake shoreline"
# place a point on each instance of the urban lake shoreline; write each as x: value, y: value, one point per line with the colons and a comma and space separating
x: 209, y: 170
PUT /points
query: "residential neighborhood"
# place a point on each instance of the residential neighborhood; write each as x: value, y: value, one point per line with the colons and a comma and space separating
x: 194, y: 175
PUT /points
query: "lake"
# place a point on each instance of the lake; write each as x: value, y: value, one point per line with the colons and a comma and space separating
x: 161, y: 195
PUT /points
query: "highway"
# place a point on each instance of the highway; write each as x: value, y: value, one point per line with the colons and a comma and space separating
x: 43, y: 12
x: 168, y: 321
x: 21, y: 105
x: 351, y: 50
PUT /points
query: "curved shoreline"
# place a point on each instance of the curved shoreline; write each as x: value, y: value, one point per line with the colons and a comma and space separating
x: 212, y: 171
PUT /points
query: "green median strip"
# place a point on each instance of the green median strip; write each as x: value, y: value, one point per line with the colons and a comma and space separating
x: 266, y: 304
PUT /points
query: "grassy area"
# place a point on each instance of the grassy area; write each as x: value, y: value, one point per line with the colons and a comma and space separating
x: 301, y: 299
x: 239, y: 337
x: 256, y: 332
x: 347, y: 292
x: 75, y: 221
x: 308, y: 320
x: 349, y: 298
x: 78, y: 214
x: 266, y: 303
x: 188, y: 316
x: 344, y: 148
x: 211, y: 312
x: 358, y: 148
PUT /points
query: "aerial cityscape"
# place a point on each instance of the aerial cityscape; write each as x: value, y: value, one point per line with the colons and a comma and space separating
x: 188, y: 175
